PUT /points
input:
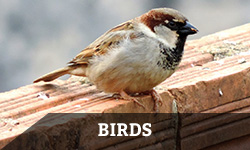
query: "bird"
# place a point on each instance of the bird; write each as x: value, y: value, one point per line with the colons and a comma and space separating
x: 133, y: 57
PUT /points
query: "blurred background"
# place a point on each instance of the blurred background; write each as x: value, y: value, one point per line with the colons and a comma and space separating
x: 37, y: 37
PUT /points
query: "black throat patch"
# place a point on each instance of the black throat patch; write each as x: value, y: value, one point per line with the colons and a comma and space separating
x: 170, y: 58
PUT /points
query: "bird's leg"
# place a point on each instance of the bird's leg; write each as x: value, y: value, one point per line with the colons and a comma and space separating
x: 156, y: 97
x: 125, y: 96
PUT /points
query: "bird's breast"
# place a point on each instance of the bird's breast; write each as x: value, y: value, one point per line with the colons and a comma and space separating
x: 169, y: 58
x: 135, y: 66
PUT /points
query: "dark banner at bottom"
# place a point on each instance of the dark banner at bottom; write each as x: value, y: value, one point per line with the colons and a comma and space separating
x: 127, y: 131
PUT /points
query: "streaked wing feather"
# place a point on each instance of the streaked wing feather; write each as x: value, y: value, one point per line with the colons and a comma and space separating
x: 102, y: 44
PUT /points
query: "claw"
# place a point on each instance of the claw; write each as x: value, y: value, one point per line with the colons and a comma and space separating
x: 125, y: 96
x: 157, y: 98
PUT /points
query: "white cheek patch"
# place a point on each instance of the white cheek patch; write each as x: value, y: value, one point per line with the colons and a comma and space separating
x: 166, y: 35
x: 162, y: 33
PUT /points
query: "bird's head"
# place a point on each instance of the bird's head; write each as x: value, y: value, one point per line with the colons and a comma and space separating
x: 168, y: 24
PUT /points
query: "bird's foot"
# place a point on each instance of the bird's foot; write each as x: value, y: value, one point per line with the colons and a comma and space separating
x: 125, y: 96
x: 156, y: 97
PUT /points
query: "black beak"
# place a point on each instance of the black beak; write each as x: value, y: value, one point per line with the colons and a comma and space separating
x: 187, y: 29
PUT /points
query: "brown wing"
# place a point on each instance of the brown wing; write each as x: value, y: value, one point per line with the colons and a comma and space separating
x: 102, y: 44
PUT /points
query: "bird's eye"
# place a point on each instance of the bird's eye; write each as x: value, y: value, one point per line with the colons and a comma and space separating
x: 172, y: 24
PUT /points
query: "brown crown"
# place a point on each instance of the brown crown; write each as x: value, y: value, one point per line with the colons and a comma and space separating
x: 158, y: 16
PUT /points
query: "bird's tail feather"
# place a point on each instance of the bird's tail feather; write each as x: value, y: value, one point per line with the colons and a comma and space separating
x: 53, y: 75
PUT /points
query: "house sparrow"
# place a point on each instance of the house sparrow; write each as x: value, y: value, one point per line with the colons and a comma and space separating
x: 134, y: 56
